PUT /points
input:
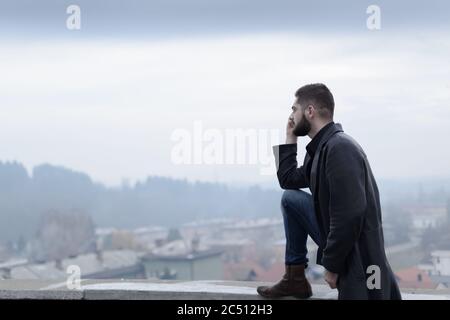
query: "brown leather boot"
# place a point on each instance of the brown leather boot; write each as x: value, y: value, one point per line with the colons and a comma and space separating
x: 293, y: 283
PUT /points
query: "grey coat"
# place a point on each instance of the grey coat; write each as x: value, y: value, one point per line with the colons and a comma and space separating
x: 347, y: 207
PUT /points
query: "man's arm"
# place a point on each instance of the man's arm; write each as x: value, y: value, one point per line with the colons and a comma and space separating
x: 289, y: 176
x: 345, y: 171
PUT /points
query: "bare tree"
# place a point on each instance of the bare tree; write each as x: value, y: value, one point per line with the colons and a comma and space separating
x: 61, y: 235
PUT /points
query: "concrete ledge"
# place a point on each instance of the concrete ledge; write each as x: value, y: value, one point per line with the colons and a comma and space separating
x: 165, y: 290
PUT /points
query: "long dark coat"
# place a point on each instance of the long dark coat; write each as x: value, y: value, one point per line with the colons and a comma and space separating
x: 347, y: 206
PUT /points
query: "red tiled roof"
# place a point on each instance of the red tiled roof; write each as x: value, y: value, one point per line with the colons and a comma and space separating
x: 237, y: 271
x: 408, y: 278
x: 274, y: 273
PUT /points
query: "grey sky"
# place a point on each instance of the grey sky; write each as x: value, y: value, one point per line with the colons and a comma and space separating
x: 108, y: 105
x: 141, y: 18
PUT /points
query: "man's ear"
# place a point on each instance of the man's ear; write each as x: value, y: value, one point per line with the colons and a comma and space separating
x: 310, y: 111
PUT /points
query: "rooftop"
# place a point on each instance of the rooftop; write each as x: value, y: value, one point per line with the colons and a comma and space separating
x: 181, y: 250
x: 441, y: 253
x: 90, y: 263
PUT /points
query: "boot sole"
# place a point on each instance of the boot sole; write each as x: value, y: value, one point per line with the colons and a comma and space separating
x: 309, y: 295
x: 306, y: 296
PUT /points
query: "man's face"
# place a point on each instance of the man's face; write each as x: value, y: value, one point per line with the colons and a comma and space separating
x: 301, y: 124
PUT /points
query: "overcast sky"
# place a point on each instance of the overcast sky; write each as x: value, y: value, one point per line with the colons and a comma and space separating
x: 108, y: 98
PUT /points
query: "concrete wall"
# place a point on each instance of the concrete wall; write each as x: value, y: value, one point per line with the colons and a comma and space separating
x: 162, y: 290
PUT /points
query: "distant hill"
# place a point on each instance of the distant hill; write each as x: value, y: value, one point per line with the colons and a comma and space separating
x: 154, y: 201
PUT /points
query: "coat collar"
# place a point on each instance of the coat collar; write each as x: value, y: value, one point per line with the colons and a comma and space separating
x: 314, y: 144
x: 330, y: 131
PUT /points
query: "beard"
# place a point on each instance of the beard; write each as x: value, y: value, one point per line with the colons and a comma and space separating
x: 302, y: 128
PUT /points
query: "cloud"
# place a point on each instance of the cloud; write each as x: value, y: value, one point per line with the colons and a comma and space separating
x: 109, y: 107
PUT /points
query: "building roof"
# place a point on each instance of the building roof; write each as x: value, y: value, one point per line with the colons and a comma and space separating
x: 13, y: 263
x: 441, y: 253
x: 242, y: 271
x: 229, y: 242
x: 184, y: 256
x: 151, y: 229
x: 89, y: 264
x: 255, y: 224
x: 409, y: 278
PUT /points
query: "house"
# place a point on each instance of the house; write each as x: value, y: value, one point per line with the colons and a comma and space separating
x: 427, y: 217
x: 101, y: 265
x: 179, y: 260
x: 438, y: 267
x: 414, y: 278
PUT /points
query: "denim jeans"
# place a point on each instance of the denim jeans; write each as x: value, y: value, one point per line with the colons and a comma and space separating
x: 299, y: 221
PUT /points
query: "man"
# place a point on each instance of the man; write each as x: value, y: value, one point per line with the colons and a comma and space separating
x: 342, y: 215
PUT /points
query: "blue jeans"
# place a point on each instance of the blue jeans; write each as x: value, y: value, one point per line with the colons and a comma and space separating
x: 299, y: 221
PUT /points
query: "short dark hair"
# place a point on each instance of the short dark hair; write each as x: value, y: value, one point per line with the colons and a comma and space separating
x: 318, y: 95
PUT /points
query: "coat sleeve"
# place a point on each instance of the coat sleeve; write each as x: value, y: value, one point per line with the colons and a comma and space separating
x: 345, y: 172
x: 289, y: 176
